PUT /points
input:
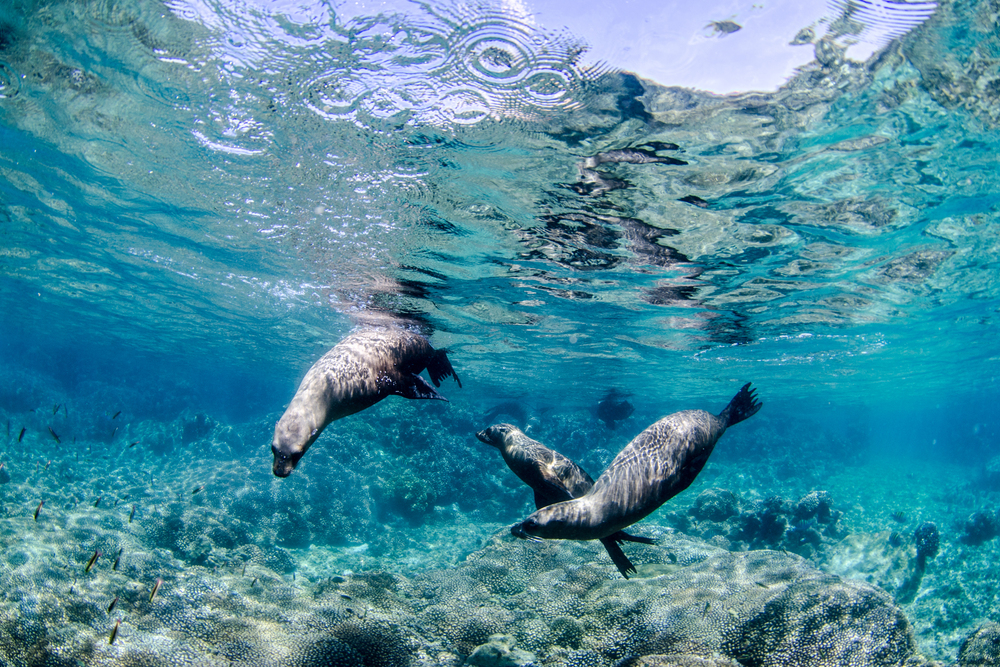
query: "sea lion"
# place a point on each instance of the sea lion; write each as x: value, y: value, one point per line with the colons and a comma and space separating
x: 658, y: 464
x: 614, y: 407
x: 361, y: 370
x: 554, y: 478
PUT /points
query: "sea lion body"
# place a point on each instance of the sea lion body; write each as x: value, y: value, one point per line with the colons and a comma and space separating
x: 658, y: 464
x: 358, y: 372
x: 554, y: 478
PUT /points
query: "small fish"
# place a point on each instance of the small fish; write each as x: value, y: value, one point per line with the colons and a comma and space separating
x: 48, y: 463
x: 114, y: 631
x: 244, y: 573
x: 762, y: 585
x: 118, y: 559
x: 156, y: 587
x: 54, y: 435
x: 114, y: 432
x: 55, y: 409
x: 93, y: 559
x: 131, y: 514
x: 39, y: 508
x: 899, y: 516
x: 21, y: 434
x: 253, y: 583
x: 346, y: 596
x: 197, y: 489
x: 116, y: 503
x: 112, y: 605
x: 2, y: 465
x: 895, y: 539
x: 132, y: 445
x: 705, y: 611
x: 98, y: 501
x: 115, y: 416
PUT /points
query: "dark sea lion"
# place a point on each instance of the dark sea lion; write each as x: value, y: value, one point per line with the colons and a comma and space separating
x: 614, y: 407
x: 554, y: 478
x: 358, y: 372
x: 658, y: 464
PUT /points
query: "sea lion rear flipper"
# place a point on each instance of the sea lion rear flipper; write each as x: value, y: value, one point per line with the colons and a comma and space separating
x: 438, y: 367
x: 622, y: 536
x: 743, y: 405
x: 414, y: 386
x: 618, y: 556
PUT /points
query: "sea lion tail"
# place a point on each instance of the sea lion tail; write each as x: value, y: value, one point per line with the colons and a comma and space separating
x: 438, y: 367
x: 743, y: 405
x: 618, y: 556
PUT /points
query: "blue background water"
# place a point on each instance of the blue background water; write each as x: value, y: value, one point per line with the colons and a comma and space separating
x: 197, y: 200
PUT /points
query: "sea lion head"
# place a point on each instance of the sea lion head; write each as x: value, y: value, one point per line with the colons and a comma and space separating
x: 497, y: 434
x: 292, y: 437
x: 561, y: 521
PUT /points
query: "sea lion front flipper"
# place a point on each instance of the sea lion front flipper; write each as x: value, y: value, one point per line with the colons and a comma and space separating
x: 622, y: 536
x: 414, y: 386
x: 618, y: 556
x: 438, y: 367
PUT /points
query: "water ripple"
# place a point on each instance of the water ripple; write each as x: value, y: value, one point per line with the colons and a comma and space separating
x: 444, y: 65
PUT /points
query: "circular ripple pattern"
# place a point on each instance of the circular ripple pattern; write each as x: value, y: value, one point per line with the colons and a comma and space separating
x: 513, y: 67
x: 10, y: 82
x: 451, y: 65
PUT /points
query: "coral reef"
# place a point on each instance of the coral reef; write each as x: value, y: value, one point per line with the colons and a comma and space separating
x: 509, y: 603
x: 980, y: 527
x: 728, y: 521
x: 982, y: 647
x: 388, y: 547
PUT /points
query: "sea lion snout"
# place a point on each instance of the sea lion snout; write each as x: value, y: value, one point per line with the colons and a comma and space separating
x: 284, y: 464
x: 494, y: 435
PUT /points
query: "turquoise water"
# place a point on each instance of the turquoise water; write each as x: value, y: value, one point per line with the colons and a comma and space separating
x: 198, y: 199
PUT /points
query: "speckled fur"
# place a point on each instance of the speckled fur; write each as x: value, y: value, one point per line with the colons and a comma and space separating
x: 358, y: 372
x: 658, y: 464
x: 553, y: 477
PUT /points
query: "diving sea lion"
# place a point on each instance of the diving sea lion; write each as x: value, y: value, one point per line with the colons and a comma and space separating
x: 613, y: 408
x: 358, y: 372
x: 658, y: 464
x: 554, y: 478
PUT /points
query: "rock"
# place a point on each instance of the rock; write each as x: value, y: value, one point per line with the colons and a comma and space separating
x: 500, y: 651
x: 875, y: 559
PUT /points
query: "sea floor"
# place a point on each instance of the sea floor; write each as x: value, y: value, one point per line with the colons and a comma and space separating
x: 238, y: 551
